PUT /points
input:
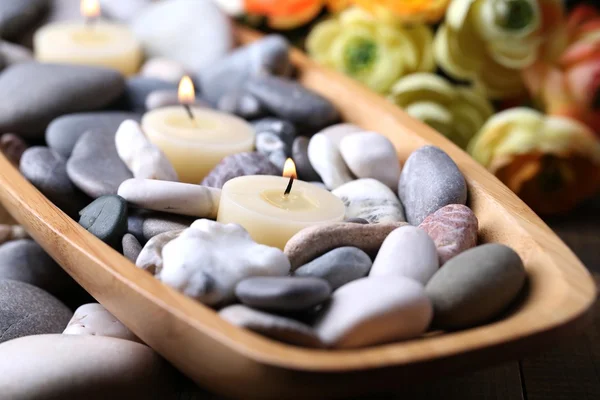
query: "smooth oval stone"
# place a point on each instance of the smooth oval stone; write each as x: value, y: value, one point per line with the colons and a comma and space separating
x: 317, y: 240
x: 25, y: 261
x: 283, y: 293
x: 274, y: 326
x: 429, y: 181
x: 199, y: 33
x: 241, y: 164
x: 131, y: 247
x: 16, y: 17
x: 453, y: 228
x: 95, y: 166
x: 475, y: 286
x: 242, y: 104
x: 172, y: 197
x: 135, y: 223
x: 12, y: 232
x: 291, y: 101
x: 138, y: 89
x: 106, y: 218
x: 82, y: 367
x: 371, y: 200
x: 13, y: 147
x: 64, y: 132
x: 156, y: 223
x: 325, y: 158
x: 93, y: 319
x: 273, y: 147
x: 47, y: 171
x: 371, y: 155
x: 336, y: 133
x: 166, y: 98
x: 163, y: 69
x: 39, y: 93
x: 151, y: 259
x: 27, y: 310
x: 409, y: 252
x: 338, y: 267
x: 268, y: 55
x: 374, y: 310
x: 14, y: 54
x: 304, y: 168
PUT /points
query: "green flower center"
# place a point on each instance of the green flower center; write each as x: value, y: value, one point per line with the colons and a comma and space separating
x: 360, y: 55
x: 513, y: 14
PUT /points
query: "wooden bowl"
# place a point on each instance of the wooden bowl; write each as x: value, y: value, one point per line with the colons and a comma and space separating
x: 239, y: 363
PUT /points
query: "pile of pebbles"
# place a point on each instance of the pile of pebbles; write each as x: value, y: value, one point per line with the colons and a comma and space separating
x: 404, y: 262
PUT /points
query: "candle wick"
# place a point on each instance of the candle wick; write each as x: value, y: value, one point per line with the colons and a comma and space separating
x: 289, y: 187
x: 189, y: 111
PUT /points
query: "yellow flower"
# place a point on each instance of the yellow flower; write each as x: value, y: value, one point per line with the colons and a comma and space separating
x: 455, y: 111
x: 551, y: 162
x: 408, y: 10
x: 375, y: 52
x: 488, y: 42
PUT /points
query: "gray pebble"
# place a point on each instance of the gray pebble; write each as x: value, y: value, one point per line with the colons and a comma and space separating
x: 291, y: 101
x: 429, y: 181
x: 283, y: 293
x: 268, y: 55
x: 242, y: 104
x: 338, y: 267
x: 13, y: 147
x: 27, y: 310
x: 135, y: 224
x: 16, y: 17
x: 475, y: 286
x: 166, y: 98
x: 39, y: 93
x: 241, y: 164
x: 14, y: 54
x: 95, y: 166
x: 274, y: 326
x: 137, y: 90
x: 305, y: 170
x: 47, y: 171
x: 64, y: 132
x: 25, y: 261
x: 106, y: 218
x: 284, y: 130
x: 156, y: 223
x: 270, y: 145
x: 131, y: 247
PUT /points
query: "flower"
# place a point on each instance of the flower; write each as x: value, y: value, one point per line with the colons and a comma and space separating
x: 289, y: 14
x: 375, y: 52
x: 455, y: 111
x: 487, y: 42
x: 551, y: 162
x: 566, y: 78
x: 408, y: 10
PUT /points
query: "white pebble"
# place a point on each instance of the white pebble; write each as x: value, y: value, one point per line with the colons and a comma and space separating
x: 172, y: 197
x: 336, y: 133
x: 409, y: 252
x: 144, y: 159
x: 371, y: 200
x: 371, y: 155
x: 327, y: 161
x: 377, y: 310
x: 163, y: 69
x: 209, y: 259
x: 93, y: 319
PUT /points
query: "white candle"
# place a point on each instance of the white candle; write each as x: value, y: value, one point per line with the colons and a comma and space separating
x: 258, y: 203
x: 196, y: 143
x: 96, y: 43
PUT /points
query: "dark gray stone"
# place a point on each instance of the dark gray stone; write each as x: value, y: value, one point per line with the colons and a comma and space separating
x: 338, y: 267
x: 429, y: 181
x: 25, y: 261
x: 95, y: 166
x: 137, y: 90
x: 131, y: 247
x: 27, y: 310
x: 47, y: 171
x: 106, y: 218
x: 283, y: 293
x: 135, y: 224
x: 266, y: 56
x: 303, y: 166
x: 16, y: 17
x: 284, y: 130
x: 291, y: 101
x: 64, y: 132
x: 39, y: 93
x: 241, y: 164
x: 475, y: 286
x: 242, y: 104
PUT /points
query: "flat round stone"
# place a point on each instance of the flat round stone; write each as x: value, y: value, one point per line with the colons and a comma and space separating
x: 241, y: 164
x: 131, y: 247
x: 106, y: 218
x: 283, y: 293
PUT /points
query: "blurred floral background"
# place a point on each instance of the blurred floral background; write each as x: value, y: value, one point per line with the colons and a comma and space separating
x: 516, y: 83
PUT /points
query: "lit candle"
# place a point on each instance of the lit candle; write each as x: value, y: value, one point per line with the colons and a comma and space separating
x: 273, y: 209
x: 196, y: 139
x: 94, y: 42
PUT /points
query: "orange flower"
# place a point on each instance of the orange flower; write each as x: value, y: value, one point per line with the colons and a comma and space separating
x: 566, y: 79
x: 410, y: 10
x: 289, y: 14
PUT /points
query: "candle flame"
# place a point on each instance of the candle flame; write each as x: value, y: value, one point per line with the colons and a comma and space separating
x: 289, y: 169
x: 90, y: 8
x: 186, y: 92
